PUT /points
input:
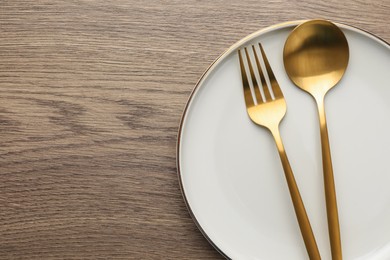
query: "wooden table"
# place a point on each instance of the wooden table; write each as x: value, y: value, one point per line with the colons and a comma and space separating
x: 91, y: 96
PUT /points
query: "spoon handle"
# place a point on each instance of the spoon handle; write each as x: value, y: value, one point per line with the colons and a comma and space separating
x: 300, y: 211
x: 330, y: 190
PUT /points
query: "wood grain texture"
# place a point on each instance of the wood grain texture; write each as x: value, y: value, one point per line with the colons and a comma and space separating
x: 91, y: 96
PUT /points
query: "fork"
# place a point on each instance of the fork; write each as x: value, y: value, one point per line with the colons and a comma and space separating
x: 268, y: 111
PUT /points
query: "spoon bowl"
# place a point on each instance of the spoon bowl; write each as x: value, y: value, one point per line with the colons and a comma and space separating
x: 316, y: 56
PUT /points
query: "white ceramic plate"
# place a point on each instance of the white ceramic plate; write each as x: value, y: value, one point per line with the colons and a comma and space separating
x: 231, y: 176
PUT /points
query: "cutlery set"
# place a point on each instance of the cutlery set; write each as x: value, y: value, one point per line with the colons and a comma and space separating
x: 315, y: 57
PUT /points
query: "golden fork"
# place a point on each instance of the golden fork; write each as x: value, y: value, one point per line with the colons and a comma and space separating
x: 268, y: 111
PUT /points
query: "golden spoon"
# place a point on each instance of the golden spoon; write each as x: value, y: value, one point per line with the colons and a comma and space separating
x: 315, y: 57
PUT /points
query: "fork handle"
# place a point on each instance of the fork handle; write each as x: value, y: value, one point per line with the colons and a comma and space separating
x: 300, y: 211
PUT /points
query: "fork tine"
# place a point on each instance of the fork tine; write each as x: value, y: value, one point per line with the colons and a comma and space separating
x: 267, y: 95
x: 274, y: 84
x: 247, y: 90
x: 254, y: 80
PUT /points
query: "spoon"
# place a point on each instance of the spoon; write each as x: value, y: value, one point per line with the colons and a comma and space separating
x: 315, y: 57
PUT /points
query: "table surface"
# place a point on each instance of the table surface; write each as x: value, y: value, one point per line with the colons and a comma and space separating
x: 91, y: 96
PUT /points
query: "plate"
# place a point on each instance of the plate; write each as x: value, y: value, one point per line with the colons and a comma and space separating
x: 231, y: 176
